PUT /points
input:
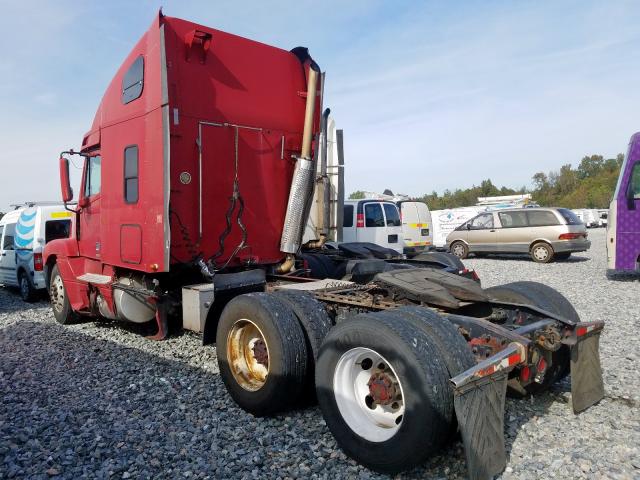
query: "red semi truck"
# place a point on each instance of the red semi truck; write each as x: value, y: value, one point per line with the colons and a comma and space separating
x: 199, y: 170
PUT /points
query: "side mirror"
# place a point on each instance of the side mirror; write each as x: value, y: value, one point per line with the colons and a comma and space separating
x: 65, y: 186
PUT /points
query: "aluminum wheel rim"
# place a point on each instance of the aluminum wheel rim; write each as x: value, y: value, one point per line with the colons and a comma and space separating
x: 248, y: 355
x: 374, y: 421
x: 458, y: 250
x: 541, y: 253
x: 57, y: 293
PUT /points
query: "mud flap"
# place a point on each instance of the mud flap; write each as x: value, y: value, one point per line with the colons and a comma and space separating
x: 479, y: 408
x: 587, y: 386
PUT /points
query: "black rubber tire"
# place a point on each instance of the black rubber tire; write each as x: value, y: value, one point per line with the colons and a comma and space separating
x: 452, y: 347
x: 549, y: 249
x: 464, y: 252
x: 448, y: 259
x: 65, y: 315
x: 424, y: 379
x: 315, y: 323
x: 27, y: 292
x: 549, y: 299
x: 563, y: 256
x: 287, y: 353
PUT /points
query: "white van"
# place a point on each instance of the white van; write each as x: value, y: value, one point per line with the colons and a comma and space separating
x: 374, y: 221
x: 23, y: 235
x: 417, y: 231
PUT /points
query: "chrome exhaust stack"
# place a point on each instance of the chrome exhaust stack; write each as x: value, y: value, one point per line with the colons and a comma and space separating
x: 302, y: 182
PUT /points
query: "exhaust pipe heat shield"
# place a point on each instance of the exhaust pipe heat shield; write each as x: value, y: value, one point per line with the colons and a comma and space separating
x: 295, y: 219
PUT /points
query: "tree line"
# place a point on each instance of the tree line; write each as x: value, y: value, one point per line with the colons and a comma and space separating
x: 590, y: 185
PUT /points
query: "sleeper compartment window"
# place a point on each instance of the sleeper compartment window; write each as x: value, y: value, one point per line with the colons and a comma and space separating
x: 131, y: 174
x: 133, y: 81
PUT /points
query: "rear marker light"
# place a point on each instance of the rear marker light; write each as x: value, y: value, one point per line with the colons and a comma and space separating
x: 360, y: 220
x: 37, y: 262
x: 542, y: 365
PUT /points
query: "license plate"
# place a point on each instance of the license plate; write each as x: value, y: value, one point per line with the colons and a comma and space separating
x: 424, y: 232
x: 392, y: 239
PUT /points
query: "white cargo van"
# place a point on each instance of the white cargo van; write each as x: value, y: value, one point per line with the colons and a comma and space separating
x: 417, y: 230
x: 374, y: 221
x: 23, y: 235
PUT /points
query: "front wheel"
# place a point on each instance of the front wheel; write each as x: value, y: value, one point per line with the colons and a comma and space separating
x: 59, y: 300
x: 460, y: 249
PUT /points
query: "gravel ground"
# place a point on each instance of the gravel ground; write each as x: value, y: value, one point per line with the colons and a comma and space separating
x: 97, y: 400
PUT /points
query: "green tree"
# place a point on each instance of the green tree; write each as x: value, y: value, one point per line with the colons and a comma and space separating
x: 357, y: 195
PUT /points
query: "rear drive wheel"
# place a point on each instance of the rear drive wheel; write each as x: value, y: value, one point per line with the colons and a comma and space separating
x: 262, y: 353
x: 451, y: 345
x: 315, y: 323
x: 541, y: 252
x: 549, y: 299
x: 59, y: 300
x: 27, y: 292
x: 383, y: 393
x: 460, y: 249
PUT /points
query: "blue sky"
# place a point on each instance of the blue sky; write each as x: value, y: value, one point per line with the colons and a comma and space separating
x: 431, y: 95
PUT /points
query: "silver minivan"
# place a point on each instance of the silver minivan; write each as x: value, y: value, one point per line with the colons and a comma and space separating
x: 543, y: 233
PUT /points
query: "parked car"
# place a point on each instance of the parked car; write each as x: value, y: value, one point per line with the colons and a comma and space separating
x: 543, y: 233
x: 24, y: 233
x: 374, y: 221
x: 417, y: 230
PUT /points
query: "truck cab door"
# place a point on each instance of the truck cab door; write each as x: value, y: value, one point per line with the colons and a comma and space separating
x: 8, y: 255
x: 89, y: 242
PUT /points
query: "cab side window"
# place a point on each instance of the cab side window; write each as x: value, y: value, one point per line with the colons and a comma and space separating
x: 482, y: 222
x: 634, y: 184
x: 373, y: 216
x: 133, y: 81
x: 131, y: 174
x: 93, y: 178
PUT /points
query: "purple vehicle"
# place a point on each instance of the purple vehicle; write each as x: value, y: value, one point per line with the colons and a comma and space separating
x: 623, y: 229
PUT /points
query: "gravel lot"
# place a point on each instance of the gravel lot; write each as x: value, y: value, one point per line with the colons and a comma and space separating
x: 97, y: 400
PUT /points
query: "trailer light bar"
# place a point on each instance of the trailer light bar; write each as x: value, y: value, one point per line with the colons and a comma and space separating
x: 514, y: 354
x: 582, y: 330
